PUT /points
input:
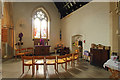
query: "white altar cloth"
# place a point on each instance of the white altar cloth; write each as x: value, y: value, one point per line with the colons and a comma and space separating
x: 112, y: 64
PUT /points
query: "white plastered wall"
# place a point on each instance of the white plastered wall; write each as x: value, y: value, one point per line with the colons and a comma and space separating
x: 92, y: 21
x: 23, y: 11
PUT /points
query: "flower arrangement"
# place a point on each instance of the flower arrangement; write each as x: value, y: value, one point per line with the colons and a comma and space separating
x: 41, y: 42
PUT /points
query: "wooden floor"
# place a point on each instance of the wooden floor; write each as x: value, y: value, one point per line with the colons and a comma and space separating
x: 13, y: 69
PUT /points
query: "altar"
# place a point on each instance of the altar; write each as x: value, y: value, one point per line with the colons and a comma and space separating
x: 42, y: 50
x: 41, y: 47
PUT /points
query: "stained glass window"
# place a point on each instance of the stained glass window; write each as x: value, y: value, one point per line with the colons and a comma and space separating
x: 40, y: 24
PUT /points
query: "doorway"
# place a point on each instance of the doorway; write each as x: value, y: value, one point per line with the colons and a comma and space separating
x: 77, y: 44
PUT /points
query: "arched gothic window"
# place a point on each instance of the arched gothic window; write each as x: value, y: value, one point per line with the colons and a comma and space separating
x: 40, y: 24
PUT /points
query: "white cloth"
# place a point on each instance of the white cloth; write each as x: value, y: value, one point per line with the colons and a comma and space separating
x: 114, y: 57
x: 112, y: 64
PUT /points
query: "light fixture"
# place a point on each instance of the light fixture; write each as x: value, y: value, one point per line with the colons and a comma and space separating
x: 21, y: 24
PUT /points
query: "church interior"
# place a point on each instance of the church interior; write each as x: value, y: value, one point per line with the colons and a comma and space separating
x: 60, y: 40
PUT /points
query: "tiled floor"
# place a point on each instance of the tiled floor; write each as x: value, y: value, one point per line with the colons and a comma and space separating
x: 13, y: 69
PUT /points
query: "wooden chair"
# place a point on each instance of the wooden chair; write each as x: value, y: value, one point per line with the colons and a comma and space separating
x: 39, y: 60
x: 86, y: 55
x: 61, y: 60
x: 75, y: 57
x: 51, y: 60
x: 69, y: 58
x: 19, y: 52
x: 30, y: 50
x: 28, y: 61
x: 115, y: 74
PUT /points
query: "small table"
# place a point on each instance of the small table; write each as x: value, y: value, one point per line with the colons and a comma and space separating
x: 114, y: 68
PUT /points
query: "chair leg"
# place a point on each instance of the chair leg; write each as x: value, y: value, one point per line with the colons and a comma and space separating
x: 33, y: 69
x: 77, y: 60
x: 21, y: 57
x: 62, y: 65
x: 29, y: 67
x: 44, y: 70
x: 66, y: 66
x: 46, y: 67
x: 57, y: 67
x: 74, y: 63
x: 23, y: 68
x: 88, y: 58
x: 37, y: 67
x: 15, y: 57
x: 71, y: 63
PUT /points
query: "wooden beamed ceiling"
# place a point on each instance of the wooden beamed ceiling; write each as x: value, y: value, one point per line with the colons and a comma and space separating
x: 66, y: 8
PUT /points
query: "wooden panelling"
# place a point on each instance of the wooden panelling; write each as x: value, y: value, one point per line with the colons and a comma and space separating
x: 7, y: 34
x: 42, y: 50
x: 99, y: 56
x: 7, y: 20
x: 4, y: 35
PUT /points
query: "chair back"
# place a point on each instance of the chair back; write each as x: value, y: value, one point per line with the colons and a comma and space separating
x: 69, y: 55
x: 75, y: 55
x: 17, y: 50
x: 61, y: 57
x: 37, y: 58
x: 27, y: 59
x: 50, y: 60
x: 30, y: 49
x: 21, y: 50
x: 50, y: 57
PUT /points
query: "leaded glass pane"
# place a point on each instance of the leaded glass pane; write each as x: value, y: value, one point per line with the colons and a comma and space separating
x: 38, y: 15
x: 41, y: 12
x: 40, y: 21
x: 44, y: 29
x: 37, y: 28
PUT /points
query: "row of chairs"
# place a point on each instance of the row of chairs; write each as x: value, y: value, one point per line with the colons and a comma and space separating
x: 49, y: 60
x: 24, y: 51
